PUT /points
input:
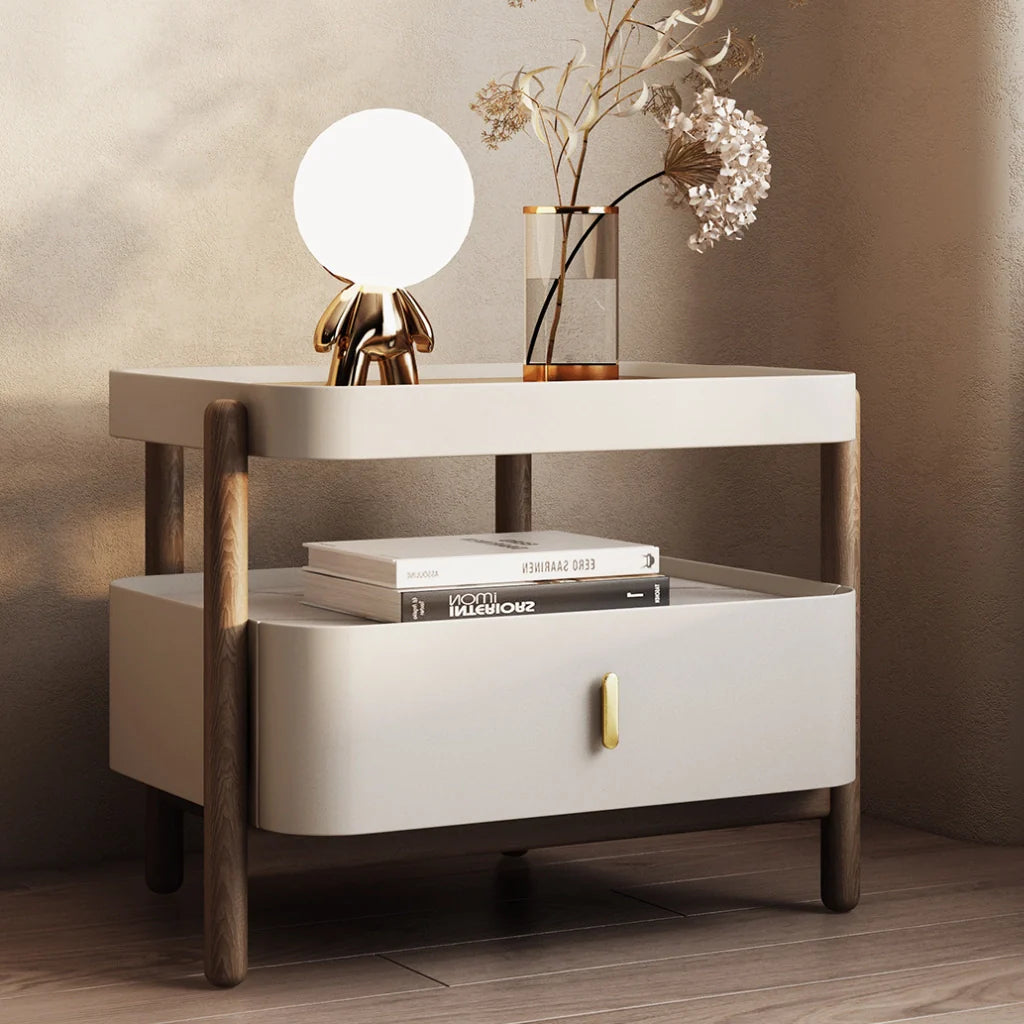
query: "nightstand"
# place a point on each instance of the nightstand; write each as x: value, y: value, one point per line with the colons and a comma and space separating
x: 738, y: 704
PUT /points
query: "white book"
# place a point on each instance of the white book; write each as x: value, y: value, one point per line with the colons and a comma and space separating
x: 481, y: 558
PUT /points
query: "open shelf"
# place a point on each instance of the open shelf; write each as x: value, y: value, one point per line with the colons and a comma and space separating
x: 485, y: 409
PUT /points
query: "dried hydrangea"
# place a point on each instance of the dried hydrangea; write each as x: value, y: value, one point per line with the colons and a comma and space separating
x: 663, y: 104
x: 745, y: 55
x: 503, y: 112
x: 726, y: 206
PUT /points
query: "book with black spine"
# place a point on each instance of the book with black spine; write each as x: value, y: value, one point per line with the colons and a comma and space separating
x: 481, y: 559
x: 386, y: 604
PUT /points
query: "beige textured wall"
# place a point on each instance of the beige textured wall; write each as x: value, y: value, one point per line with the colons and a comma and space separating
x: 145, y: 202
x: 928, y: 305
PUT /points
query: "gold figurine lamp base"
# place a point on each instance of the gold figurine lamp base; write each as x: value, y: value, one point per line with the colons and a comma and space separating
x: 362, y: 326
x: 380, y: 227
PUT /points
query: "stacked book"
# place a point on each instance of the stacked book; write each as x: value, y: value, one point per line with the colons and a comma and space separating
x: 423, y: 579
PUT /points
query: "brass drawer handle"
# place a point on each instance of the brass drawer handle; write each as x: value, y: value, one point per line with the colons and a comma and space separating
x: 610, y: 711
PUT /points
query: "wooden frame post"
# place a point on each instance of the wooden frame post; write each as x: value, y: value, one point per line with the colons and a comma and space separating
x: 225, y: 693
x: 513, y: 510
x: 513, y: 490
x: 840, y: 563
x: 165, y: 553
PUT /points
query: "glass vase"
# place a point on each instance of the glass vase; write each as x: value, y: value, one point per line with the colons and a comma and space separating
x: 572, y: 293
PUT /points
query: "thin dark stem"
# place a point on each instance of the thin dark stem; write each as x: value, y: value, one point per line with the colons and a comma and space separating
x: 576, y: 248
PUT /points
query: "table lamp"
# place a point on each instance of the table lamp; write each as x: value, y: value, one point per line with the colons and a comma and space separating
x: 383, y: 200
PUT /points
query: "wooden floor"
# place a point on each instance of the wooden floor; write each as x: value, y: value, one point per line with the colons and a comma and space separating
x: 721, y: 926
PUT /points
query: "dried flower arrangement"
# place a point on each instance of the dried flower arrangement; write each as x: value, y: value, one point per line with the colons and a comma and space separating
x: 716, y: 162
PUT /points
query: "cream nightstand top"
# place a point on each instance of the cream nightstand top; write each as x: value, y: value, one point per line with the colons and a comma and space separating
x: 485, y: 409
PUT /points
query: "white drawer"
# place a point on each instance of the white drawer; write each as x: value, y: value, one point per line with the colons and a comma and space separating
x: 745, y: 685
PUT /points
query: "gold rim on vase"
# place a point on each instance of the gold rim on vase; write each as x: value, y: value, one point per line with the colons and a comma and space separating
x: 572, y: 209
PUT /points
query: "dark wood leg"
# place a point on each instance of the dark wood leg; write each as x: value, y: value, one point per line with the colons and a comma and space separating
x: 513, y: 487
x: 226, y: 693
x: 840, y: 548
x: 165, y: 553
x: 165, y: 843
x: 513, y: 512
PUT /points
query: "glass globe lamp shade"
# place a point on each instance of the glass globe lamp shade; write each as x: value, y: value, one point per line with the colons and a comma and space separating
x: 383, y: 198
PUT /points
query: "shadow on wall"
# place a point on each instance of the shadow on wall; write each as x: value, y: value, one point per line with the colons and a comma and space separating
x: 1016, y: 593
x: 929, y: 313
x: 766, y: 300
x: 87, y: 244
x: 99, y: 266
x: 64, y: 519
x: 89, y: 221
x: 147, y: 215
x: 71, y: 520
x: 750, y: 507
x: 1014, y: 235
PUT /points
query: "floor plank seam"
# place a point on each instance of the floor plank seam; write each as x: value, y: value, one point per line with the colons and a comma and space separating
x: 649, y: 903
x: 384, y: 954
x: 810, y: 868
x: 239, y: 1014
x: 740, y: 949
x: 529, y: 935
x: 765, y: 988
x: 950, y: 1013
x: 294, y: 1006
x: 13, y: 996
x: 406, y: 967
x: 865, y: 893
